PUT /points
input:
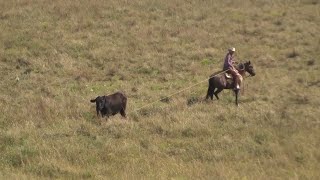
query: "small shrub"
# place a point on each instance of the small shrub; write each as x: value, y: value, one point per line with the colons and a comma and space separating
x: 188, y: 133
x: 14, y: 160
x: 144, y: 70
x: 165, y: 99
x: 300, y: 80
x: 278, y: 23
x: 206, y: 61
x: 90, y: 117
x: 311, y: 62
x: 50, y: 171
x: 134, y: 89
x: 293, y: 54
x: 260, y: 138
x: 7, y: 141
x: 159, y: 130
x: 23, y: 62
x: 86, y: 175
x: 83, y: 131
x: 27, y: 71
x: 134, y: 117
x: 116, y: 131
x: 145, y: 144
x: 193, y: 100
x: 111, y: 72
x: 300, y: 159
x: 301, y: 100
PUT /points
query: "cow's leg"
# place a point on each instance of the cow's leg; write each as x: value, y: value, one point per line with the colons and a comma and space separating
x: 107, y: 118
x: 99, y: 117
x: 217, y: 92
x: 97, y: 109
x: 123, y: 112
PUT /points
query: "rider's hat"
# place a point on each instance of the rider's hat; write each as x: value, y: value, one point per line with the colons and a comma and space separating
x: 232, y: 49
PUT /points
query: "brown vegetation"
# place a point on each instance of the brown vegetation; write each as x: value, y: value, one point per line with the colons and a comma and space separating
x: 56, y: 55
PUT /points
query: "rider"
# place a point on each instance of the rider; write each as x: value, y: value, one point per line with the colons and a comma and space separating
x: 228, y: 66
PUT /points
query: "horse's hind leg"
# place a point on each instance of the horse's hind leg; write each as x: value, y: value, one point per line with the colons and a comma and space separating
x: 211, y: 95
x: 217, y: 92
x: 210, y: 92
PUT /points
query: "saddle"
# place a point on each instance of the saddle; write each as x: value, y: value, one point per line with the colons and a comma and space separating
x: 228, y: 76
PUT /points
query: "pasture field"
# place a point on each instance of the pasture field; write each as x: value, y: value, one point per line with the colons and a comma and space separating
x: 57, y: 55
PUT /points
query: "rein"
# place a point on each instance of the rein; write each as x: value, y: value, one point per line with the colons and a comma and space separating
x: 244, y: 76
x: 243, y: 71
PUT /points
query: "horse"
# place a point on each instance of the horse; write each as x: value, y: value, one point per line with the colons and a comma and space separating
x: 221, y: 81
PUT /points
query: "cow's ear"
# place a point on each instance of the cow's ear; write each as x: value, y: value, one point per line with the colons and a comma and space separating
x: 93, y: 100
x: 249, y: 62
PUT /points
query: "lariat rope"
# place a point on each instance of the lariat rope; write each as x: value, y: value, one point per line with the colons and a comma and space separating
x: 149, y: 104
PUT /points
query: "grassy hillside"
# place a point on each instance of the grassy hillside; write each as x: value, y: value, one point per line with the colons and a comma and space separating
x: 57, y: 55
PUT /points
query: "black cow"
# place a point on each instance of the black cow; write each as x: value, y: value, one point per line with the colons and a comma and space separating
x: 111, y: 104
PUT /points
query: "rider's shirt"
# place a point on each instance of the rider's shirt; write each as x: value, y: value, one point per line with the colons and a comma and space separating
x: 228, y: 60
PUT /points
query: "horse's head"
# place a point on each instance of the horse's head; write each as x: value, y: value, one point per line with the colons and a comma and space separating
x: 249, y: 68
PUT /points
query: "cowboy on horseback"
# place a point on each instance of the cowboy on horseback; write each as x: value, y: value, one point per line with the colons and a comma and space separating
x: 219, y: 81
x: 228, y: 66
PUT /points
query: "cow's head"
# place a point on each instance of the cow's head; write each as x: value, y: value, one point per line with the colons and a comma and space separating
x: 100, y: 102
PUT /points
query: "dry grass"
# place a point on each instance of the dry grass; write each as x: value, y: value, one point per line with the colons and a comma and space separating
x: 56, y: 56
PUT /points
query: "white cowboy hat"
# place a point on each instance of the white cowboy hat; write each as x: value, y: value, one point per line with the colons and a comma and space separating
x: 232, y: 49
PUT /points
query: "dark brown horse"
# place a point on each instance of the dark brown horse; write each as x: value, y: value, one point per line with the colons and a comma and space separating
x: 221, y: 82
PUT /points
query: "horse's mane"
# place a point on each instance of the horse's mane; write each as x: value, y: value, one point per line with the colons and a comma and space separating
x: 241, y: 66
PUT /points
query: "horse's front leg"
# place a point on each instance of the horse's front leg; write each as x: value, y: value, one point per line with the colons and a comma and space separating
x: 237, y: 94
x: 217, y: 92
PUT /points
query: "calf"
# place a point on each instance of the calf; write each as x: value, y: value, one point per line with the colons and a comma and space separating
x: 111, y: 104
